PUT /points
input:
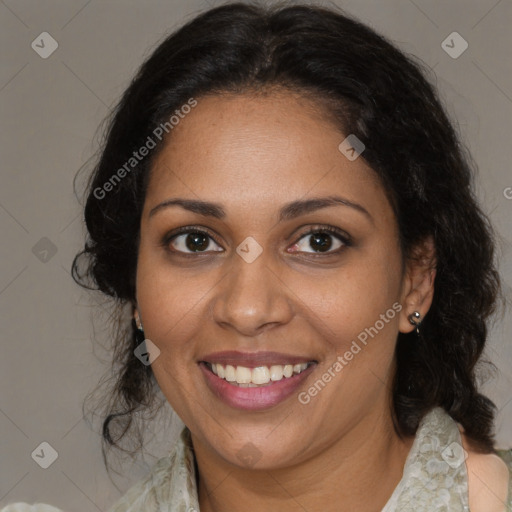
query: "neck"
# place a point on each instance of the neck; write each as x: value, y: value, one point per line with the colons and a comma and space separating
x: 359, y: 471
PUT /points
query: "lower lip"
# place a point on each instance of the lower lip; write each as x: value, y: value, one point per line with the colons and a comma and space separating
x: 254, y: 399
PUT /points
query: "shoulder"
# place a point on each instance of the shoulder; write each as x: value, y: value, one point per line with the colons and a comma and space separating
x: 488, y: 480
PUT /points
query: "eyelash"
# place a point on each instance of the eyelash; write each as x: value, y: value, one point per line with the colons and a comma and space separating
x: 337, y: 233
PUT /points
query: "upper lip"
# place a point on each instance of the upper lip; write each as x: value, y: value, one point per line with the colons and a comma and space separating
x: 253, y: 359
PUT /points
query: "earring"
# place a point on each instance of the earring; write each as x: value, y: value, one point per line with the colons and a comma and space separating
x: 139, y: 332
x: 415, y: 319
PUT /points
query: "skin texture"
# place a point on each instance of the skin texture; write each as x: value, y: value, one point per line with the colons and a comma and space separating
x: 253, y: 154
x: 487, y: 479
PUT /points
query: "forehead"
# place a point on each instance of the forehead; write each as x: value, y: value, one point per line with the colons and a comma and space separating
x: 264, y: 149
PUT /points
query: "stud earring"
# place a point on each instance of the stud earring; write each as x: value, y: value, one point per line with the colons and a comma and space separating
x: 138, y: 321
x: 139, y: 333
x: 415, y: 319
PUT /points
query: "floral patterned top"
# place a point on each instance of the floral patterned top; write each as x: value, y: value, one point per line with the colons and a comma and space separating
x: 434, y: 477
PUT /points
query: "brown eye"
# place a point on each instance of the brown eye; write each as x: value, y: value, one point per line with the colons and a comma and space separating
x: 193, y: 241
x: 325, y: 240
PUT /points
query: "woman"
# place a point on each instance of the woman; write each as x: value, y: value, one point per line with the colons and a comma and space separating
x: 286, y: 208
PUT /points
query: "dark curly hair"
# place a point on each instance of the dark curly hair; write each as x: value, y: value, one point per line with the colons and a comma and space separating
x: 370, y: 89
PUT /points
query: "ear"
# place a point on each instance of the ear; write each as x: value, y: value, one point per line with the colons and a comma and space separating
x: 418, y: 283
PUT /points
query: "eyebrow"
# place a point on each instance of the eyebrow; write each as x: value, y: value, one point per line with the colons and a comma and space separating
x: 288, y: 212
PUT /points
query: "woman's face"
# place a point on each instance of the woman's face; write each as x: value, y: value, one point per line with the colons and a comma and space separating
x: 257, y: 291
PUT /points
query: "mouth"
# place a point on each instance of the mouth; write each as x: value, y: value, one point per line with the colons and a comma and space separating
x: 254, y: 381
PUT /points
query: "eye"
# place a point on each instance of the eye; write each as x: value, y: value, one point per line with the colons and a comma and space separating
x: 320, y: 239
x: 189, y: 241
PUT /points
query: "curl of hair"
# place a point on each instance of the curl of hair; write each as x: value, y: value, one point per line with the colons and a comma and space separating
x: 367, y: 87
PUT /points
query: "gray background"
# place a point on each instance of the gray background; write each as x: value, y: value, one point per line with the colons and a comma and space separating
x: 51, y: 109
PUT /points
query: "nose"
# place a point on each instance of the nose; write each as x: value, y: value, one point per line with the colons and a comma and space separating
x: 252, y: 297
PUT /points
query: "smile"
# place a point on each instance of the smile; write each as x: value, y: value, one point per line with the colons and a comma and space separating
x: 254, y: 381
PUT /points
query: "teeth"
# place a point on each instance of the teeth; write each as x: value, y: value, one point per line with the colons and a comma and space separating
x: 230, y: 373
x: 276, y: 372
x: 243, y: 375
x: 261, y: 375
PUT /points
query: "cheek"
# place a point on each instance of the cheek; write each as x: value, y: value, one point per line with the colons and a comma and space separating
x: 354, y: 297
x: 172, y: 303
x: 356, y: 316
